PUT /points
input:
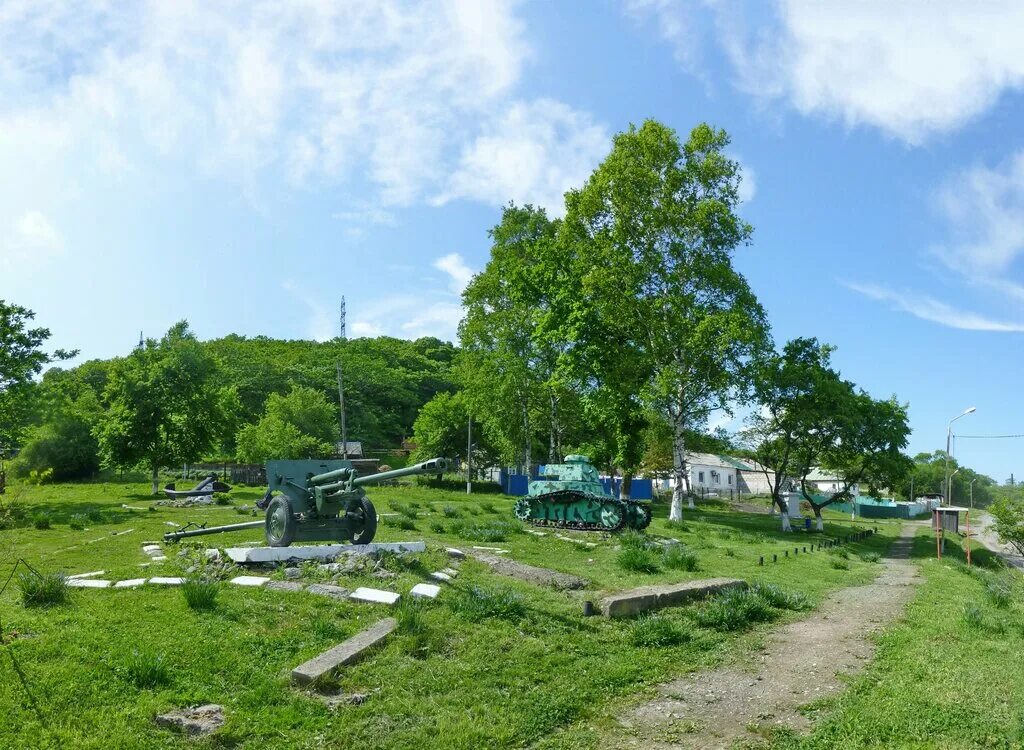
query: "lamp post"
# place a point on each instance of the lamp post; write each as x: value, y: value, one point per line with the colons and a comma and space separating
x: 949, y: 438
x: 972, y: 492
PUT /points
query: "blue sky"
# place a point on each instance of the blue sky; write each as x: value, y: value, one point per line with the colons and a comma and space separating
x: 246, y: 166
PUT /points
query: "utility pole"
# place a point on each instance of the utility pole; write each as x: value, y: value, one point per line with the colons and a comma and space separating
x: 341, y: 319
x: 341, y: 402
x: 469, y: 456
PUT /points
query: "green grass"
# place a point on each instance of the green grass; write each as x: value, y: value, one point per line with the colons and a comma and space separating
x: 43, y: 589
x: 948, y: 675
x: 736, y: 609
x: 493, y: 662
x: 200, y: 594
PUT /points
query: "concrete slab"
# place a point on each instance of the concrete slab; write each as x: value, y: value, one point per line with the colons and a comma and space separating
x: 159, y: 558
x: 317, y: 552
x: 150, y: 548
x: 284, y: 586
x: 425, y: 591
x: 344, y: 653
x: 131, y: 583
x: 455, y: 553
x: 439, y: 576
x: 326, y: 589
x: 88, y: 583
x: 452, y: 572
x: 249, y: 580
x: 531, y: 574
x: 86, y: 575
x: 646, y: 598
x: 373, y: 596
x: 167, y: 581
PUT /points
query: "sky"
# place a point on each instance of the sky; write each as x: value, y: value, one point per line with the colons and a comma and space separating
x: 244, y: 165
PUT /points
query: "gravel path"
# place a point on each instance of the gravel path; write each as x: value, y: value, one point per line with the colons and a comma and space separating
x: 801, y: 662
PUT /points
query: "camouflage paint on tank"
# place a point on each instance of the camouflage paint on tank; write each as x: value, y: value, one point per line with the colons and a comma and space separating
x: 577, y: 473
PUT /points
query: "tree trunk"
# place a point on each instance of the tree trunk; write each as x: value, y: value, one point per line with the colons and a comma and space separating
x: 626, y: 487
x: 680, y: 474
x: 553, y: 457
x: 156, y: 479
x: 528, y: 457
x: 783, y: 512
x: 819, y: 523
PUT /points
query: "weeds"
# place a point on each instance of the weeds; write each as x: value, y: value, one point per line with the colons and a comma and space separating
x: 404, y: 523
x: 656, y: 631
x: 43, y: 589
x: 780, y: 598
x: 200, y: 594
x: 735, y: 610
x: 147, y: 669
x: 680, y: 557
x: 478, y: 603
x: 839, y: 564
x: 41, y: 521
x: 487, y: 507
x: 639, y: 559
x: 437, y: 527
x: 77, y: 523
x: 999, y: 592
x: 450, y: 511
x: 405, y: 510
x: 495, y: 530
x: 870, y: 557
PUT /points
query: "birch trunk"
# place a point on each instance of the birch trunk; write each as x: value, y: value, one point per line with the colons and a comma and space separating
x: 819, y: 524
x: 156, y: 479
x: 626, y: 487
x: 553, y: 457
x: 680, y: 474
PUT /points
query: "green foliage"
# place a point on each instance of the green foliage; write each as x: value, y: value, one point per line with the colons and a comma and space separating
x: 780, y: 598
x: 735, y: 610
x: 437, y: 527
x: 41, y: 520
x: 999, y: 592
x: 494, y: 530
x: 146, y: 669
x: 680, y: 557
x: 656, y: 631
x: 639, y: 559
x: 478, y: 603
x: 450, y: 511
x: 301, y: 424
x: 200, y: 594
x: 43, y: 589
x: 870, y: 557
x: 77, y: 522
x: 403, y: 523
x: 65, y: 445
x: 406, y: 510
x: 839, y: 563
x: 1008, y: 521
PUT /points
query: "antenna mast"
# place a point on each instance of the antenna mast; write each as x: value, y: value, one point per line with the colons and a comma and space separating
x: 341, y: 402
x: 341, y: 319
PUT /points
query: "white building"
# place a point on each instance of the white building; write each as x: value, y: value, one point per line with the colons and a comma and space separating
x: 712, y: 473
x: 827, y: 483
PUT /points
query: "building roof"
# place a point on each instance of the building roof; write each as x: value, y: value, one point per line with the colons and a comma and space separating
x: 820, y: 475
x: 715, y: 460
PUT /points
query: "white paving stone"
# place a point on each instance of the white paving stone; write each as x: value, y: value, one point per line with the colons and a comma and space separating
x: 452, y: 572
x: 458, y: 554
x: 163, y: 581
x: 249, y: 580
x: 317, y: 552
x: 149, y: 548
x: 88, y: 583
x: 374, y: 596
x: 495, y: 550
x: 159, y: 558
x: 131, y: 583
x: 439, y: 576
x: 86, y: 575
x: 425, y: 591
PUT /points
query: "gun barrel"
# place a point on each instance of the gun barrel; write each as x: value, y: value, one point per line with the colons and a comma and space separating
x: 174, y: 536
x: 330, y: 476
x: 433, y: 466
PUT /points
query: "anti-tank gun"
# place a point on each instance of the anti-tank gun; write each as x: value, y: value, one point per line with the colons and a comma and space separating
x: 317, y: 501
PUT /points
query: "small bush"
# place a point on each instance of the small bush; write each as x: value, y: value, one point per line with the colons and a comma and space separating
x: 450, y: 511
x: 147, y: 669
x: 41, y: 521
x: 437, y: 527
x: 780, y: 598
x: 676, y: 526
x: 487, y: 507
x: 77, y: 523
x: 406, y: 510
x: 200, y: 594
x: 221, y: 498
x: 999, y: 593
x: 870, y: 557
x: 478, y: 603
x: 839, y: 564
x: 495, y: 530
x: 734, y: 610
x: 633, y: 539
x: 43, y: 590
x: 656, y: 631
x: 680, y: 557
x: 639, y: 559
x: 839, y: 552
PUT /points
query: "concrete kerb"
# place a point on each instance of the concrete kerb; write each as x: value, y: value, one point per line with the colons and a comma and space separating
x: 648, y: 598
x: 344, y: 653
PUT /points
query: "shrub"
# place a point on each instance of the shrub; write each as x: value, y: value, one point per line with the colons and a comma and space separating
x: 839, y: 564
x: 680, y: 557
x: 478, y: 603
x: 450, y: 511
x: 639, y: 559
x: 406, y: 524
x: 871, y: 557
x: 734, y: 610
x: 200, y: 594
x: 437, y: 527
x: 43, y: 589
x: 494, y: 530
x: 41, y: 521
x: 77, y: 523
x: 999, y: 593
x: 780, y: 598
x: 676, y: 526
x: 634, y: 539
x: 221, y: 498
x: 840, y: 553
x: 655, y: 631
x: 406, y: 510
x: 147, y: 669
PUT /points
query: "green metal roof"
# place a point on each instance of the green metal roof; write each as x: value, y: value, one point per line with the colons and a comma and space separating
x: 734, y: 462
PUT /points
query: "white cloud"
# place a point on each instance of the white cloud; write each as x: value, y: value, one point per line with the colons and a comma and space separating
x: 532, y: 153
x: 322, y: 322
x: 383, y: 95
x: 461, y: 274
x: 32, y: 241
x: 931, y: 309
x: 364, y: 328
x: 910, y: 70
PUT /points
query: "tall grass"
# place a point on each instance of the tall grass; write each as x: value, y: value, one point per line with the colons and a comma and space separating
x: 43, y: 589
x: 200, y: 594
x: 656, y: 631
x: 147, y: 669
x: 734, y: 610
x: 477, y: 603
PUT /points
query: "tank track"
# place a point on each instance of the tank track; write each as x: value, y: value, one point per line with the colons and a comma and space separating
x: 568, y: 497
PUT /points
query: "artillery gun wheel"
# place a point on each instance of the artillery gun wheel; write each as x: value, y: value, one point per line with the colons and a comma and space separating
x: 280, y: 524
x: 365, y: 533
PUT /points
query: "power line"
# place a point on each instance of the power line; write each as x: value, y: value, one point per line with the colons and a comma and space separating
x: 989, y: 437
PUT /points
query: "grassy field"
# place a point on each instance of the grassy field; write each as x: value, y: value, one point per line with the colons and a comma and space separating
x: 491, y: 663
x: 949, y: 675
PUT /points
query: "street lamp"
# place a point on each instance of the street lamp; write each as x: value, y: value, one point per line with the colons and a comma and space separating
x: 949, y: 486
x: 949, y: 438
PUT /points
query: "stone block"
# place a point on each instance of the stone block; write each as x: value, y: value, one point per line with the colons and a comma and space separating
x: 425, y: 591
x: 165, y: 581
x: 86, y: 575
x: 284, y: 586
x: 193, y: 721
x: 647, y: 598
x: 131, y: 583
x: 326, y: 589
x: 88, y: 583
x: 323, y: 552
x: 441, y: 576
x: 452, y: 572
x: 159, y: 558
x: 455, y: 553
x: 344, y: 653
x: 249, y: 580
x: 531, y: 574
x: 373, y: 596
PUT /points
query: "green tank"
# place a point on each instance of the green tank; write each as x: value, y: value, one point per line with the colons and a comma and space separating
x: 571, y: 496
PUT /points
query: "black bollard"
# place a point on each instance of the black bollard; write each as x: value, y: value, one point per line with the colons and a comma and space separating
x: 760, y: 560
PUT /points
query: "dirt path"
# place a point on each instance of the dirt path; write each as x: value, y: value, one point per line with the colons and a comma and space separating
x: 988, y: 537
x: 800, y: 663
